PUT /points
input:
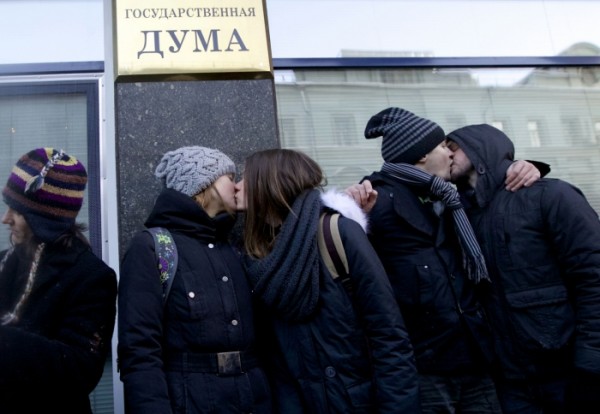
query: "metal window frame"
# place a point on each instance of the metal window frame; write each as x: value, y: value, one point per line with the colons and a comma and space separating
x: 441, y: 62
x: 91, y: 89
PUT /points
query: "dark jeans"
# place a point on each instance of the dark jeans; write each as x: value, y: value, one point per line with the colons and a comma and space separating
x: 546, y: 396
x: 464, y: 394
x: 579, y: 394
x: 584, y: 393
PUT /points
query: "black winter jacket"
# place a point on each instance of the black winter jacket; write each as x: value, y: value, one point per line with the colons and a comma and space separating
x: 208, y: 311
x: 422, y: 257
x: 322, y: 365
x: 54, y: 356
x: 542, y: 246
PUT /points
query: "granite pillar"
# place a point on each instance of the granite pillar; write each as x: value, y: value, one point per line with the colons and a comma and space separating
x: 155, y: 116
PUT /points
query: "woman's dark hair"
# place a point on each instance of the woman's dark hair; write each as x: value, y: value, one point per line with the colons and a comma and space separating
x: 272, y: 180
x: 65, y: 240
x: 76, y: 231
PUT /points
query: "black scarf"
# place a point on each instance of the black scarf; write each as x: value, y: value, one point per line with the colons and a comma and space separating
x: 287, y: 280
x: 473, y: 261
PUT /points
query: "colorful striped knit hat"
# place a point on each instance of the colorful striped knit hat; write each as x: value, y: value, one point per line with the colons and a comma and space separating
x: 46, y: 186
x: 406, y: 137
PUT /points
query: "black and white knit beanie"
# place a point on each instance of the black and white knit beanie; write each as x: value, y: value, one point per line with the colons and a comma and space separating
x: 406, y: 137
x: 190, y: 170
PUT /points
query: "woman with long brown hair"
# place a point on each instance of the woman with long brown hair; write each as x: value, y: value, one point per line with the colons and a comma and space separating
x: 333, y: 350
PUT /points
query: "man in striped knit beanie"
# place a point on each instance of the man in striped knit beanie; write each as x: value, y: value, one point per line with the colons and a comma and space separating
x: 421, y: 234
x: 57, y: 298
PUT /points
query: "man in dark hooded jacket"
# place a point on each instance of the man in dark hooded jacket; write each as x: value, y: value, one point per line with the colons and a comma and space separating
x: 418, y: 230
x: 542, y: 249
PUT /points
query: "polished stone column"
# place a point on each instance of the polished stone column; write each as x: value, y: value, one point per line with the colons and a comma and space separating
x: 153, y: 117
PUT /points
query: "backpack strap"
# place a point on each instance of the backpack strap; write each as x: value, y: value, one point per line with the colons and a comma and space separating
x: 332, y: 249
x: 166, y: 257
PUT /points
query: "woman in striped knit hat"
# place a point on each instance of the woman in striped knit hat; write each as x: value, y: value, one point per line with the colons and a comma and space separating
x: 57, y: 299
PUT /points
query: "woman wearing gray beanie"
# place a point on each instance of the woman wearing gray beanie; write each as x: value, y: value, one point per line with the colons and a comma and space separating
x: 194, y: 353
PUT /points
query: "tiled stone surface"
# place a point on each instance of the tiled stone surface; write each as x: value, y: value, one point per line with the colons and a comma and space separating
x: 236, y: 116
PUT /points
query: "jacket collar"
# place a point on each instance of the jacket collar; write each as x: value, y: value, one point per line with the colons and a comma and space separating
x: 180, y: 213
x: 346, y: 206
x: 408, y: 203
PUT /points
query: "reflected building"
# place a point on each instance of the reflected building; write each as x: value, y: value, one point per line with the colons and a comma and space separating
x: 551, y: 114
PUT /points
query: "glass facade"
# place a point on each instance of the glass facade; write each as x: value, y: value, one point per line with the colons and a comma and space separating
x: 551, y: 114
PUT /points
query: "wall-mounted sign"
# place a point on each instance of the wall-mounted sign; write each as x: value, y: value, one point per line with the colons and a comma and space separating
x: 154, y: 37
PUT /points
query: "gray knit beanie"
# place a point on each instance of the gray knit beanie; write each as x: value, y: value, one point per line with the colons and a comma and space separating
x: 191, y: 170
x: 406, y: 137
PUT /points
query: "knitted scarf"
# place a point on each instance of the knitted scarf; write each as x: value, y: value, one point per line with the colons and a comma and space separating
x: 287, y: 280
x: 473, y: 261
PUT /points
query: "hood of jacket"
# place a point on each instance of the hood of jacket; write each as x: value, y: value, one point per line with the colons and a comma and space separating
x: 491, y: 152
x: 346, y: 206
x: 180, y: 213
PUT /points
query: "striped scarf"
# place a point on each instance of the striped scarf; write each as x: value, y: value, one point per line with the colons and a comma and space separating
x: 473, y: 261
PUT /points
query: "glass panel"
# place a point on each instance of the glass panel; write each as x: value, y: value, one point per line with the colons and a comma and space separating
x: 32, y: 121
x: 101, y: 399
x: 431, y: 28
x: 551, y: 114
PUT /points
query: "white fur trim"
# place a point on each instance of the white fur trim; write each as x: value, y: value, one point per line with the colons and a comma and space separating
x: 346, y: 206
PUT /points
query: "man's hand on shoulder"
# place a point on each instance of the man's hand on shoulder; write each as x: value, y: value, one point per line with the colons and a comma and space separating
x: 521, y: 174
x: 363, y: 194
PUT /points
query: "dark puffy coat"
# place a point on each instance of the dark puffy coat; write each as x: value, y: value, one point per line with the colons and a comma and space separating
x: 322, y: 365
x: 542, y: 246
x: 54, y: 356
x: 421, y: 254
x: 209, y: 310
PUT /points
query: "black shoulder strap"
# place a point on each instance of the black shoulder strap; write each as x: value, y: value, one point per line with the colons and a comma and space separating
x: 166, y: 257
x: 332, y: 249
